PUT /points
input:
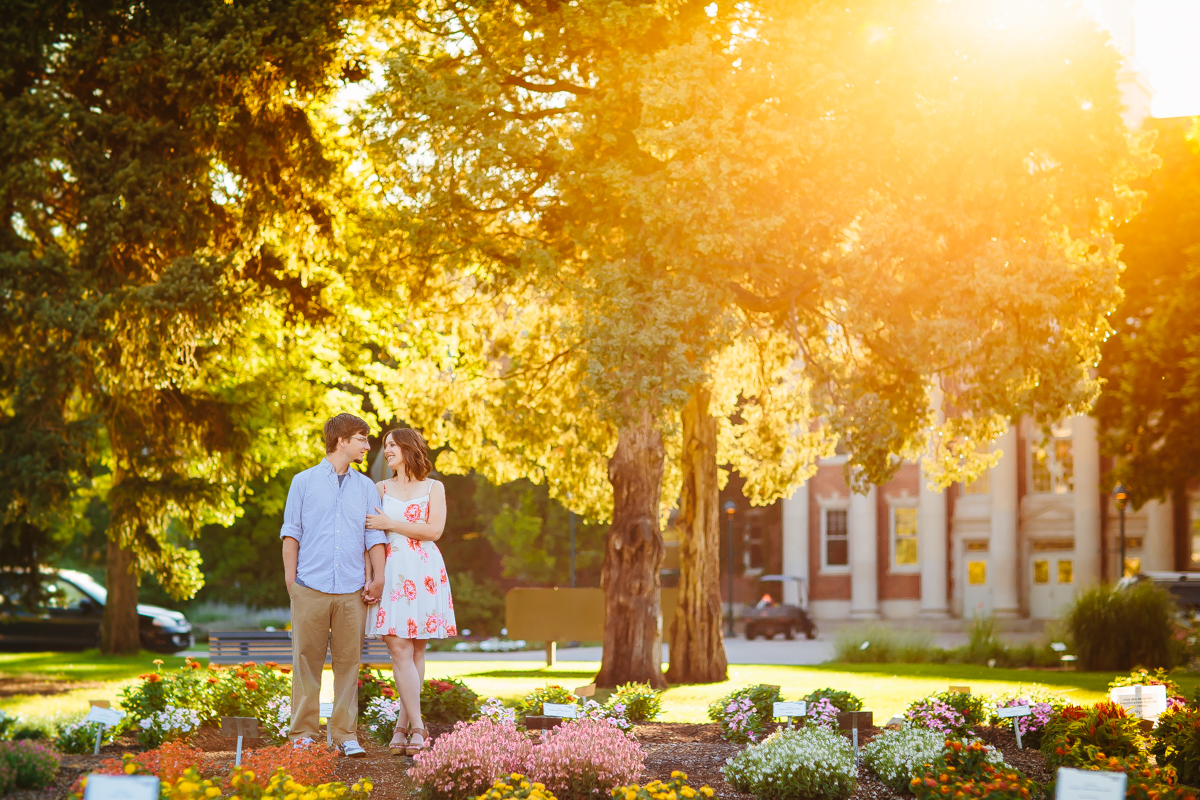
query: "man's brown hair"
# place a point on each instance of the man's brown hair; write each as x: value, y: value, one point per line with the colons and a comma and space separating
x: 343, y: 426
x: 413, y: 450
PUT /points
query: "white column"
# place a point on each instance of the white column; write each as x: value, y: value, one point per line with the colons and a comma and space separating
x: 1002, y: 546
x: 932, y: 544
x: 795, y: 542
x: 1085, y: 453
x: 864, y: 582
x: 1158, y: 551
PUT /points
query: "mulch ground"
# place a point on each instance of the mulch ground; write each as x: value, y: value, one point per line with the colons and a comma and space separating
x: 697, y: 750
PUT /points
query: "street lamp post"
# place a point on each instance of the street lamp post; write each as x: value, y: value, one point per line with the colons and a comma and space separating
x: 730, y: 509
x: 1121, y: 495
x: 572, y: 513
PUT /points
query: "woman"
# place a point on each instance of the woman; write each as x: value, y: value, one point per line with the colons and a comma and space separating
x: 415, y: 604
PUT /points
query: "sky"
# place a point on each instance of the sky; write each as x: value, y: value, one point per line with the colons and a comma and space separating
x: 1167, y: 51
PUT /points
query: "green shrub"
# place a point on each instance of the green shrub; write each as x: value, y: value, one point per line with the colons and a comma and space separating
x: 1121, y: 629
x: 811, y: 763
x: 373, y: 683
x: 1175, y: 742
x: 744, y: 713
x: 531, y: 704
x: 1142, y: 780
x: 971, y: 770
x: 947, y: 712
x: 642, y: 703
x: 7, y: 726
x: 894, y: 755
x: 448, y: 700
x: 33, y: 765
x: 29, y: 733
x: 479, y: 605
x: 843, y: 700
x: 879, y: 644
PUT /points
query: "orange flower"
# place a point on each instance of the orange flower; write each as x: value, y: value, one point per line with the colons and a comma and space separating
x: 251, y: 685
x: 153, y: 677
x: 212, y: 679
x: 270, y: 664
x: 285, y: 670
x: 249, y: 664
x: 194, y: 665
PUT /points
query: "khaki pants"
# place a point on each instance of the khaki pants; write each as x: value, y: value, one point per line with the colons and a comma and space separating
x: 319, y: 621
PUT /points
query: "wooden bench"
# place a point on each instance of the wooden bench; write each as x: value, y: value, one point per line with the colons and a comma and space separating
x: 234, y: 647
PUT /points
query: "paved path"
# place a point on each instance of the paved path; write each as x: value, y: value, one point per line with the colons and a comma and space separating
x: 737, y: 651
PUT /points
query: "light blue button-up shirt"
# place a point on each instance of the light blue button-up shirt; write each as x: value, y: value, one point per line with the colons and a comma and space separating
x: 329, y: 520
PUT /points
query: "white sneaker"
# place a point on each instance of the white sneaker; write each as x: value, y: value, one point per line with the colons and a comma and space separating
x: 353, y: 749
x: 303, y: 741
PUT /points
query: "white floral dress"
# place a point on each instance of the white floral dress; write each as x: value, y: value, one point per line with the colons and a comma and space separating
x: 416, y: 602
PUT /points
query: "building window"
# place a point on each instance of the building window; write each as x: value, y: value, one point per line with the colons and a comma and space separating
x: 979, y: 485
x: 835, y: 539
x: 752, y: 543
x: 1066, y: 571
x: 904, y: 539
x: 1041, y: 572
x: 1053, y: 466
x: 977, y: 573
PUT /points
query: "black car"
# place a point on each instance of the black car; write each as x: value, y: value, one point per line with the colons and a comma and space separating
x: 67, y: 614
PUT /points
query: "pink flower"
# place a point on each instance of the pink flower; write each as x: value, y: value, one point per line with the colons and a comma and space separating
x: 412, y: 628
x: 451, y: 630
x: 412, y: 512
x: 430, y: 584
x: 389, y: 550
x: 380, y: 618
x: 443, y: 576
x: 413, y: 544
x: 450, y: 600
x: 410, y: 590
x: 396, y: 594
x: 391, y: 632
x: 432, y: 623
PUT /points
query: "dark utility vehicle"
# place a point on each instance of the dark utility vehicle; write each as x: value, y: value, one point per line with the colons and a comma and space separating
x: 65, y: 614
x: 771, y: 618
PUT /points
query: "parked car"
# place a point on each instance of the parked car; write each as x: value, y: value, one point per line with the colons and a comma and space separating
x: 67, y: 612
x: 769, y: 618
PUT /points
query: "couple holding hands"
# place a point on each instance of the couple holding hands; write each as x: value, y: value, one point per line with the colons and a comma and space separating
x: 359, y: 560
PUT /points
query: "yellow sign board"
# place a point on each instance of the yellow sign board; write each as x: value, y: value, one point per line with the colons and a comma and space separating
x: 567, y: 615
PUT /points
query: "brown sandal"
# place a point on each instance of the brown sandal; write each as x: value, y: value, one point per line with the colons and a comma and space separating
x: 413, y: 749
x: 400, y: 748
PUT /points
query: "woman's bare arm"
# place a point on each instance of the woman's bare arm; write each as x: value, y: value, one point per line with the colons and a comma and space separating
x: 421, y: 531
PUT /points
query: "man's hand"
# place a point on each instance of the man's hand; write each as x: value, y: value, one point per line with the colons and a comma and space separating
x: 374, y: 591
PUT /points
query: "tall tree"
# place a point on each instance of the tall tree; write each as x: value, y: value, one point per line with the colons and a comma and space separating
x: 920, y: 195
x: 168, y: 199
x: 1150, y: 406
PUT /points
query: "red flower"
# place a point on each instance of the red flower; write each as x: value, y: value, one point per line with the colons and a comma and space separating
x: 413, y: 544
x: 443, y: 577
x: 285, y: 670
x: 390, y: 549
x: 410, y: 590
x: 451, y: 630
x: 380, y: 618
x: 412, y: 628
x: 431, y: 623
x: 412, y: 512
x: 430, y: 584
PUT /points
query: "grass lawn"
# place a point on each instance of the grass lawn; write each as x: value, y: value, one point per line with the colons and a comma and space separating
x: 886, y: 688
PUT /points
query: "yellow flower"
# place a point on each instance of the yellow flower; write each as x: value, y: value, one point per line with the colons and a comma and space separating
x: 249, y: 774
x: 212, y: 791
x: 688, y: 792
x: 186, y: 787
x: 130, y: 768
x: 678, y: 774
x: 524, y: 784
x: 367, y: 785
x: 706, y: 791
x: 357, y: 787
x: 157, y: 661
x: 516, y: 776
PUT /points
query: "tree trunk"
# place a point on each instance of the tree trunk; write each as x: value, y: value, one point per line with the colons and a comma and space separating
x: 632, y: 557
x: 697, y: 647
x: 119, y: 630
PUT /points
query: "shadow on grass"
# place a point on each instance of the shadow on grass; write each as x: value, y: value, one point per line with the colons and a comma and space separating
x: 1094, y: 681
x: 543, y: 672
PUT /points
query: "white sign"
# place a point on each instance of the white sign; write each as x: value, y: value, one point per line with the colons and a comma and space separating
x: 1014, y: 711
x: 1087, y: 784
x: 326, y: 711
x: 797, y: 709
x: 121, y: 787
x: 1145, y: 702
x: 108, y: 717
x: 561, y: 710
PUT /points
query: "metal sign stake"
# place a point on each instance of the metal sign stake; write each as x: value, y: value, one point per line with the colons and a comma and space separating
x: 99, y: 736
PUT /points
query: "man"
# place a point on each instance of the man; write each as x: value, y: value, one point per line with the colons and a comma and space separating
x: 324, y: 537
